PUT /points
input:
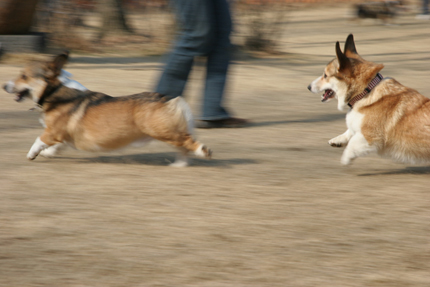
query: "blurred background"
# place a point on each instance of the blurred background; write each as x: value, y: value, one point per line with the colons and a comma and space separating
x: 272, y: 208
x: 143, y: 26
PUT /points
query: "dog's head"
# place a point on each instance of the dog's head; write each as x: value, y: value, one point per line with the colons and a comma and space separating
x: 35, y: 78
x: 345, y: 76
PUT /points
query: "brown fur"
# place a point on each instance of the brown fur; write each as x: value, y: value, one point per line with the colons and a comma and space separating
x: 354, y: 70
x: 94, y: 121
x: 397, y: 121
x: 392, y: 119
x: 396, y: 118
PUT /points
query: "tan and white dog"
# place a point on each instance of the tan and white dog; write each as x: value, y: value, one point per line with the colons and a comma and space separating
x: 384, y: 116
x: 93, y: 121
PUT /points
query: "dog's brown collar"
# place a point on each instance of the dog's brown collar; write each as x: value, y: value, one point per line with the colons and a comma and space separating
x: 367, y: 90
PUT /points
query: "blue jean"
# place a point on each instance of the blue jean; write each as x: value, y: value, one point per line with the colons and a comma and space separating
x: 425, y: 7
x: 205, y: 27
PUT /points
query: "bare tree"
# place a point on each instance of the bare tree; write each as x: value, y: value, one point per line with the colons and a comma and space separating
x: 16, y: 16
x: 113, y: 18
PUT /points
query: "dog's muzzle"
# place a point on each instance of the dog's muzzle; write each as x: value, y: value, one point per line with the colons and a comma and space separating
x: 21, y: 95
x: 9, y: 87
x: 327, y: 96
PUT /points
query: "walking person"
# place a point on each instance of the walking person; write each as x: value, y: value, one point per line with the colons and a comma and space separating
x: 205, y: 27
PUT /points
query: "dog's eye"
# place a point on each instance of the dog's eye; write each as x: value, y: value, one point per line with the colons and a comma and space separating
x: 325, y: 76
x: 24, y: 77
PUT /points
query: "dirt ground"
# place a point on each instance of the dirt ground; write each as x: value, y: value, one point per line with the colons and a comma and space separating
x: 274, y: 207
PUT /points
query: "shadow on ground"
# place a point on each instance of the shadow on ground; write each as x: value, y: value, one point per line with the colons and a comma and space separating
x: 322, y: 118
x: 160, y: 159
x: 408, y: 170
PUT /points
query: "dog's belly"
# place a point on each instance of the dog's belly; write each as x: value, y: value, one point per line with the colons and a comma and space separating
x: 141, y: 142
x: 105, y: 127
x: 93, y: 144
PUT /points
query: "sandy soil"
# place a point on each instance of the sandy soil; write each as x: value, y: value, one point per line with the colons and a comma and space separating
x: 273, y: 208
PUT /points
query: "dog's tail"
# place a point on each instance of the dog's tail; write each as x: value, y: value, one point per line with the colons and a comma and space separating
x: 181, y: 113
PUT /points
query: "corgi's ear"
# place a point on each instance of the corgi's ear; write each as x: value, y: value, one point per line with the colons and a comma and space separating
x: 350, y: 50
x: 57, y: 64
x: 343, y: 60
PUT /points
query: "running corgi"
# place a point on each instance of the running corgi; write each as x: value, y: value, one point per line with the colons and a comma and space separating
x: 384, y: 116
x: 93, y: 121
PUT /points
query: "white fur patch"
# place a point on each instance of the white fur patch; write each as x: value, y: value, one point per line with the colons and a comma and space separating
x: 141, y: 142
x: 180, y: 161
x: 36, y: 148
x: 320, y: 85
x: 199, y: 151
x: 357, y: 146
x: 341, y: 140
x: 9, y: 87
x: 354, y: 120
x: 186, y: 110
x: 64, y: 78
x: 52, y: 151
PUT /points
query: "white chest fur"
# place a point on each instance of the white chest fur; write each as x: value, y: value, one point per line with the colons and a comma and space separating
x: 354, y: 121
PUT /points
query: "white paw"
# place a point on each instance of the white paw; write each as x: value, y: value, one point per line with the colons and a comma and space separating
x: 203, y: 151
x: 345, y: 160
x: 179, y: 163
x: 49, y: 153
x: 335, y: 142
x: 199, y: 151
x: 31, y: 156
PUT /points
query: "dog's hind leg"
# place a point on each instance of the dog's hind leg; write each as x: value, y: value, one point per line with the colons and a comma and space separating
x: 196, y: 147
x: 189, y: 144
x: 203, y: 151
x: 186, y: 144
x: 357, y: 146
x: 182, y: 159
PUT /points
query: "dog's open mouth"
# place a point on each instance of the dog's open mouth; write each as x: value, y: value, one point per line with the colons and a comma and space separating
x: 328, y: 95
x: 21, y: 95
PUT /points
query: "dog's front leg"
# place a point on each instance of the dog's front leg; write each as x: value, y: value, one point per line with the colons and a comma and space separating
x: 53, y: 150
x: 357, y: 146
x: 36, y: 148
x: 341, y: 140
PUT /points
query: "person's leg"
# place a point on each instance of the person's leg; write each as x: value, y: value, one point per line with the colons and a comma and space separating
x: 217, y: 64
x: 214, y: 115
x: 425, y: 8
x: 195, y: 38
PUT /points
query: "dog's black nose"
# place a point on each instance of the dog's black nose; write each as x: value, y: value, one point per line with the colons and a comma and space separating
x: 4, y: 87
x: 309, y: 88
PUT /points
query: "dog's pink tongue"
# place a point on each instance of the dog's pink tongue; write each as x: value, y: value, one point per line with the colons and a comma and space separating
x: 327, y: 95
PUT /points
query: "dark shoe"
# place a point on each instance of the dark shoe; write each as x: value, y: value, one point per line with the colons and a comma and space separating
x: 224, y: 123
